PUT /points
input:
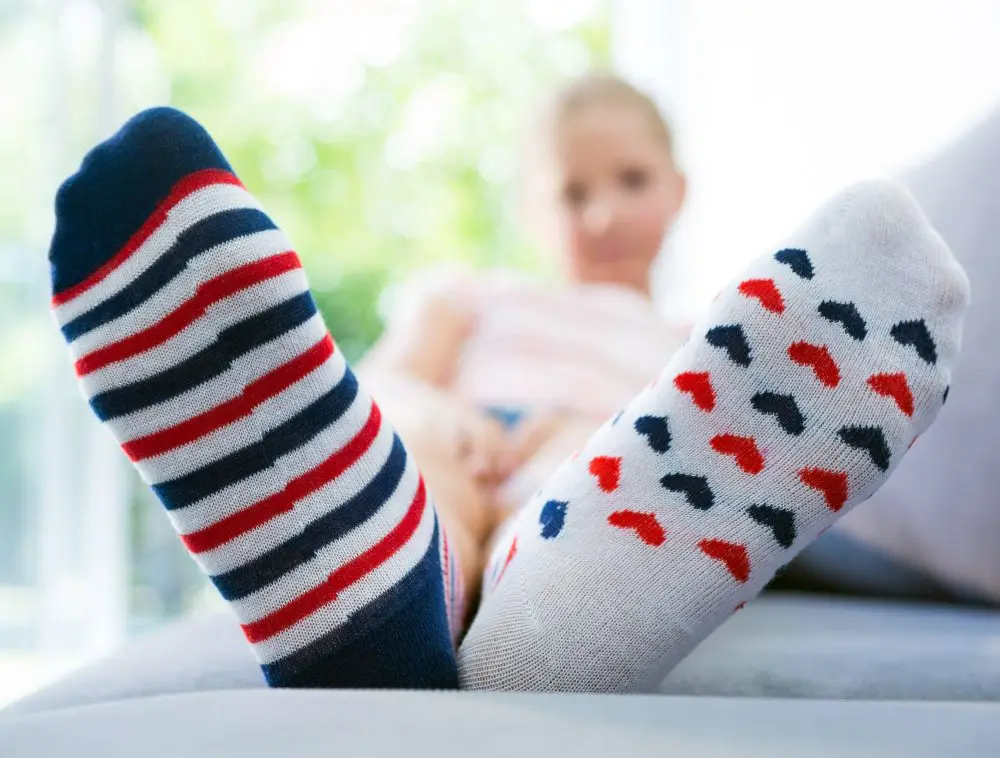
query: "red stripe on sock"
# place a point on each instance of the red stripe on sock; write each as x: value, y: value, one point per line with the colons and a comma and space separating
x: 183, y: 188
x: 352, y: 571
x: 281, y: 502
x: 255, y: 393
x: 173, y: 323
x: 446, y: 569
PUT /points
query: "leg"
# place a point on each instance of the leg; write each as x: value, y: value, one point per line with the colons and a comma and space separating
x: 198, y: 344
x: 459, y: 500
x: 812, y: 375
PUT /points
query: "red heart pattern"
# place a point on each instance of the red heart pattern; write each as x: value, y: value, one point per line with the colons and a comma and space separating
x: 833, y: 485
x: 732, y: 555
x: 697, y: 384
x: 766, y: 291
x: 819, y: 359
x: 894, y: 386
x: 743, y: 449
x: 645, y: 525
x: 510, y: 556
x: 608, y: 472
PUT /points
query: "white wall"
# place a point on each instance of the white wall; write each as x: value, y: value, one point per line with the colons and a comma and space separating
x: 778, y: 103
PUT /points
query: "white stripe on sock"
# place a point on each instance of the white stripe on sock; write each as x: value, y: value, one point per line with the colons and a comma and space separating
x: 214, y: 262
x: 246, y: 431
x: 323, y: 501
x: 230, y: 383
x: 195, y: 207
x: 279, y: 593
x: 255, y: 488
x: 198, y: 336
x: 353, y: 598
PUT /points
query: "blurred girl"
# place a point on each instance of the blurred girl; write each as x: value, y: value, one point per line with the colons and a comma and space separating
x: 492, y: 378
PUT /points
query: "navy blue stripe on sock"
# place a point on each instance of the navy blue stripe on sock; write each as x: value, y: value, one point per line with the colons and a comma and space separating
x: 400, y: 640
x: 120, y: 184
x: 202, y: 236
x: 278, y: 561
x: 209, y: 362
x: 283, y: 439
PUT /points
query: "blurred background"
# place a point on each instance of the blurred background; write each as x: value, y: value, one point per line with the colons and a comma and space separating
x: 385, y: 137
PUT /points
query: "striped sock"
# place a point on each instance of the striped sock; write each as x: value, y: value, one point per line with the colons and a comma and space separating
x: 197, y: 342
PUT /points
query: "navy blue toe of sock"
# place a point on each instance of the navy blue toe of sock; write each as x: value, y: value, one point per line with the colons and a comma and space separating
x: 131, y: 173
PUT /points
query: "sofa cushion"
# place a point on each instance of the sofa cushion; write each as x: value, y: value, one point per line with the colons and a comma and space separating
x: 779, y: 645
x: 253, y: 724
x: 812, y: 647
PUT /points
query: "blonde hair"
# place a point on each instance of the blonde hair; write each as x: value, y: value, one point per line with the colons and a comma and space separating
x: 606, y: 89
x: 594, y: 88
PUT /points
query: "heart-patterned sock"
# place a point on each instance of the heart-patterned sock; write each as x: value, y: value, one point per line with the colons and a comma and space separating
x: 797, y: 396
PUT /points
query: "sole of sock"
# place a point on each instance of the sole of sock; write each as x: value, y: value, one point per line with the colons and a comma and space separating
x: 795, y: 398
x: 198, y: 344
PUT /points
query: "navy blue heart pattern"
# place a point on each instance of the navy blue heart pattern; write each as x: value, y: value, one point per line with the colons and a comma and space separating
x: 552, y: 518
x: 783, y: 408
x: 871, y: 439
x: 781, y: 522
x: 845, y: 314
x: 656, y: 431
x: 695, y: 488
x: 797, y: 260
x: 731, y: 339
x: 915, y: 334
x: 786, y: 412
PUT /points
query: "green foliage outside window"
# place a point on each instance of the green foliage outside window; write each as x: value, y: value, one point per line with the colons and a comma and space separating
x: 379, y: 166
x: 382, y: 136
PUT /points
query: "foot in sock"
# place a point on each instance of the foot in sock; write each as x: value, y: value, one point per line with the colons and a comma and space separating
x: 198, y: 344
x: 796, y: 397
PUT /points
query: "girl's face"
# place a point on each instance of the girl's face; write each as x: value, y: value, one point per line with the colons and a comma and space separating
x: 619, y: 194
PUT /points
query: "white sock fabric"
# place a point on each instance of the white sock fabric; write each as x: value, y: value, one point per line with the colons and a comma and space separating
x: 935, y: 526
x: 796, y: 397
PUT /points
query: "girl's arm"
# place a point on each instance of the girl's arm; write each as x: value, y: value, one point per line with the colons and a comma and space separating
x: 410, y: 369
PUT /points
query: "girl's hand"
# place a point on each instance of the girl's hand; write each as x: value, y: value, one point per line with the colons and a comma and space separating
x: 483, y: 445
x: 440, y: 426
x: 538, y: 430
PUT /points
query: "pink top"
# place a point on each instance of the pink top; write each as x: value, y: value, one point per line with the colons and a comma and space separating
x: 585, y: 347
